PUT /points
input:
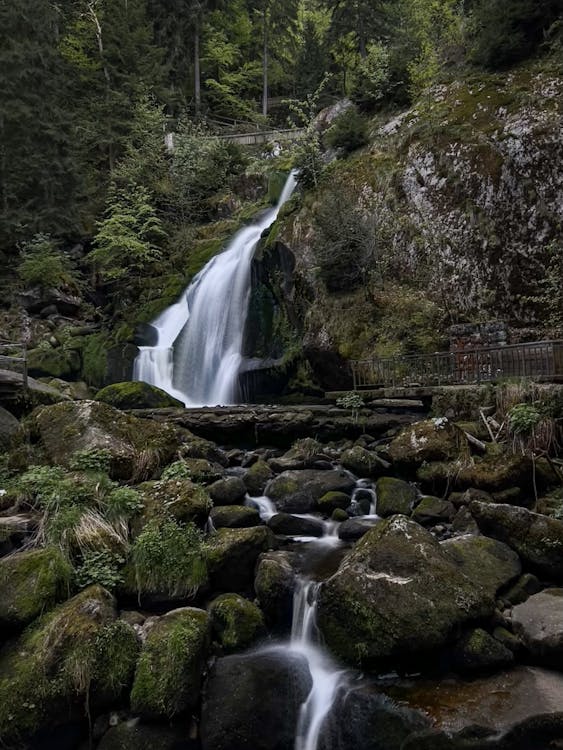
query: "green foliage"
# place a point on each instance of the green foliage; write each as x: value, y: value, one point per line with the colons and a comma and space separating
x: 348, y: 132
x: 548, y: 283
x: 101, y: 568
x: 351, y: 400
x: 373, y: 76
x: 177, y: 470
x: 168, y: 558
x: 523, y: 419
x: 43, y: 265
x: 96, y: 460
x: 123, y: 502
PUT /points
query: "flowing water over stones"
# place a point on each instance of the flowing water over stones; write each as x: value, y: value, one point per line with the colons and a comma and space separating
x: 198, y: 354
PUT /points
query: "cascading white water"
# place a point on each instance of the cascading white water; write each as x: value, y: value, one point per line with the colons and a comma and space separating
x: 326, y: 677
x: 198, y: 355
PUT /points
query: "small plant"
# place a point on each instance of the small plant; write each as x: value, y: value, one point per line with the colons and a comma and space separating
x: 96, y: 460
x: 177, y: 470
x: 123, y: 502
x: 168, y: 558
x: 43, y: 264
x: 523, y: 419
x: 351, y: 400
x: 348, y: 132
x: 102, y: 567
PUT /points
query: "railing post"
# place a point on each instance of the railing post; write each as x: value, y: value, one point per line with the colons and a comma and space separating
x: 24, y: 354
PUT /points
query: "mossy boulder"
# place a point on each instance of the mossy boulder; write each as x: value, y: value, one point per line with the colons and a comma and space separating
x: 228, y: 491
x: 169, y: 671
x: 537, y: 539
x: 235, y: 517
x: 395, y: 596
x: 198, y: 447
x: 137, y: 447
x: 232, y: 555
x: 525, y: 587
x: 254, y: 700
x: 202, y: 471
x: 236, y: 621
x: 477, y: 651
x: 31, y: 583
x: 431, y: 440
x: 433, y: 510
x: 180, y: 499
x: 136, y: 395
x: 257, y: 477
x: 274, y: 586
x: 9, y: 426
x: 133, y: 735
x: 55, y: 363
x: 332, y: 501
x: 539, y: 622
x: 394, y: 497
x: 288, y: 525
x: 300, y: 491
x: 363, y: 463
x: 77, y: 657
x: 490, y: 562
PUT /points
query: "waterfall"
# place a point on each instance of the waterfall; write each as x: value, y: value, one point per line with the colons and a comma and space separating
x: 198, y: 353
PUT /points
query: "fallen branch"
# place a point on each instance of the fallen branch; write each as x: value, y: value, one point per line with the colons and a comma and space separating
x: 475, y: 441
x: 487, y: 425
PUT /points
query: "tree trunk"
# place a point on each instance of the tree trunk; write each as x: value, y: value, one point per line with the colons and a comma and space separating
x: 265, y: 66
x: 197, y: 70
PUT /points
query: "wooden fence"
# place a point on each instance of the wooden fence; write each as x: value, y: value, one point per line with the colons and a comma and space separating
x: 540, y: 360
x: 248, y: 139
x: 14, y: 356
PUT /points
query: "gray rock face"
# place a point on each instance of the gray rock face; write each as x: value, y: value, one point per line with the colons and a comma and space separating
x: 397, y: 594
x: 355, y: 528
x: 253, y: 701
x: 539, y: 622
x: 537, y: 539
x: 9, y: 425
x: 299, y: 491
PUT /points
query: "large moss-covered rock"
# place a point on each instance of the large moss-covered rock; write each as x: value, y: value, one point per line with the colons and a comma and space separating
x: 235, y: 517
x: 232, y: 555
x: 169, y: 671
x: 539, y: 622
x: 394, y: 496
x: 30, y: 584
x: 56, y: 363
x: 431, y: 440
x: 136, y: 395
x: 433, y: 510
x: 228, y: 491
x: 488, y: 561
x: 180, y: 499
x: 253, y: 701
x: 257, y: 477
x: 132, y: 735
x: 299, y: 491
x: 274, y: 585
x: 537, y: 539
x: 396, y: 595
x: 333, y: 501
x: 363, y: 463
x: 137, y: 447
x: 477, y: 651
x: 236, y: 621
x: 78, y: 657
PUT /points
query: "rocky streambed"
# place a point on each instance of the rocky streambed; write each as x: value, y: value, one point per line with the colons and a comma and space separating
x: 379, y: 592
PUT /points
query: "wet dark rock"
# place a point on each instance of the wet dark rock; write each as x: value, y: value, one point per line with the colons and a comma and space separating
x: 228, y: 491
x: 460, y: 499
x: 236, y: 622
x: 234, y: 517
x: 253, y: 701
x: 355, y: 528
x: 477, y: 651
x: 134, y: 735
x: 394, y: 496
x: 274, y: 585
x: 463, y: 522
x: 363, y: 463
x: 288, y: 525
x: 433, y: 510
x: 299, y: 491
x: 333, y: 500
x: 524, y: 587
x: 9, y: 425
x: 539, y: 623
x: 364, y: 719
x: 232, y: 555
x: 257, y: 477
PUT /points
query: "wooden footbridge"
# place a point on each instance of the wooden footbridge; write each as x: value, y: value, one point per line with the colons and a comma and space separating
x: 539, y: 360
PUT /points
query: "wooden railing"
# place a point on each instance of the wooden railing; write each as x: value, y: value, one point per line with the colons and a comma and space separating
x: 14, y: 356
x: 542, y: 360
x: 247, y: 139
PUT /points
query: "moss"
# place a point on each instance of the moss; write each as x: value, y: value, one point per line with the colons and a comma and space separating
x: 232, y: 555
x: 94, y: 357
x: 236, y: 621
x: 169, y: 671
x: 334, y: 501
x: 31, y: 583
x: 257, y: 477
x: 56, y: 363
x: 135, y: 395
x: 180, y: 499
x: 394, y: 496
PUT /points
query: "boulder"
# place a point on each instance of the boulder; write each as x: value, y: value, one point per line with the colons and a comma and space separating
x: 490, y: 562
x: 394, y: 497
x: 305, y: 455
x: 539, y: 623
x: 355, y: 528
x: 232, y: 555
x: 136, y: 395
x: 254, y: 700
x: 524, y: 587
x: 9, y: 425
x: 431, y: 440
x: 537, y: 539
x: 77, y: 656
x: 257, y: 477
x: 477, y: 651
x: 201, y: 470
x: 288, y: 525
x: 14, y: 530
x: 236, y: 621
x: 228, y: 491
x: 55, y: 363
x: 432, y: 510
x: 332, y: 501
x: 234, y: 517
x: 463, y: 522
x: 198, y: 447
x: 169, y: 671
x: 363, y: 463
x: 133, y: 735
x: 299, y: 491
x: 365, y: 719
x: 137, y: 447
x: 397, y: 595
x: 180, y: 499
x: 274, y: 585
x: 31, y: 583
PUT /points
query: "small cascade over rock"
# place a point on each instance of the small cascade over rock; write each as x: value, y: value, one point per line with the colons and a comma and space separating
x: 198, y: 354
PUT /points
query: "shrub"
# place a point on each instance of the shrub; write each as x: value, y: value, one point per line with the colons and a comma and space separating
x: 168, y: 559
x: 95, y: 460
x: 101, y: 568
x: 348, y: 132
x: 43, y: 264
x: 123, y: 502
x: 177, y: 470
